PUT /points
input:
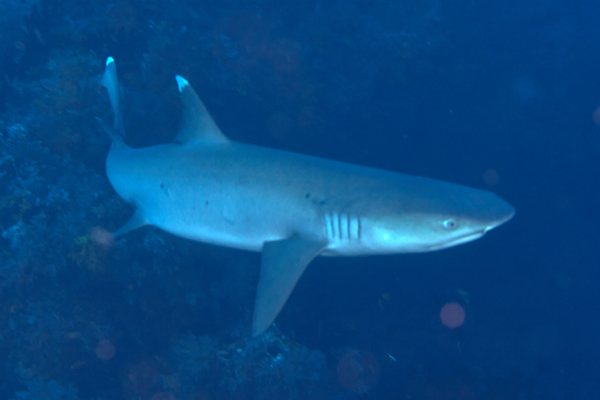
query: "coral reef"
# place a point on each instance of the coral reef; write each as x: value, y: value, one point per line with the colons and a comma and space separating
x: 50, y: 390
x: 270, y: 366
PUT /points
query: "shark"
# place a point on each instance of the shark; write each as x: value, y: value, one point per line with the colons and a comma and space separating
x: 292, y: 207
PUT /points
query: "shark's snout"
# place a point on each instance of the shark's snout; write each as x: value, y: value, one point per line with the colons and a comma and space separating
x: 503, y: 212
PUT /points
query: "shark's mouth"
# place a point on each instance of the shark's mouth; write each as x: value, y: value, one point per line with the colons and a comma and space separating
x: 455, y: 241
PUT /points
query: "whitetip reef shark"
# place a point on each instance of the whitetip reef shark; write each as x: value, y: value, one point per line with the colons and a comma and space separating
x: 291, y: 207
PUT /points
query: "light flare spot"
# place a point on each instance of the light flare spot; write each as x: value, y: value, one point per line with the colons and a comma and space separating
x: 596, y: 116
x: 358, y: 371
x: 491, y: 177
x: 452, y: 315
x: 105, y: 350
x: 101, y: 237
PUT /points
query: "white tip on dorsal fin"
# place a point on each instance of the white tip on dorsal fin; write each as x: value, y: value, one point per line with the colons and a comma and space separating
x: 181, y: 82
x: 196, y: 124
x: 111, y: 82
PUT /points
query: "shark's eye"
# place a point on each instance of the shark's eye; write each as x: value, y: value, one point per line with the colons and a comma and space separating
x: 450, y: 224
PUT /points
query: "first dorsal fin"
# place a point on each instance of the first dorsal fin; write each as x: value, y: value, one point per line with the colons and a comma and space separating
x: 196, y: 124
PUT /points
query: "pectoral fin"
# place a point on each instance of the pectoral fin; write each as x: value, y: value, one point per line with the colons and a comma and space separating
x: 283, y: 262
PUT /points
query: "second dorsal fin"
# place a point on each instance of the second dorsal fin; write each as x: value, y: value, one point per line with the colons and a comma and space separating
x: 196, y: 124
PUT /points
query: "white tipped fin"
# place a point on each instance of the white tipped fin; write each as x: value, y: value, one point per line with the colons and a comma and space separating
x: 111, y: 82
x: 196, y: 124
x: 181, y: 82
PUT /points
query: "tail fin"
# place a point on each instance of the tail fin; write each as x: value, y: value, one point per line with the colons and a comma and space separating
x: 111, y: 82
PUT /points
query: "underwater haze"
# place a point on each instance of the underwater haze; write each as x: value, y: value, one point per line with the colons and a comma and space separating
x: 502, y: 96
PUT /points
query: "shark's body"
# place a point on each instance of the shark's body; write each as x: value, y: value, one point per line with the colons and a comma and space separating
x: 292, y: 207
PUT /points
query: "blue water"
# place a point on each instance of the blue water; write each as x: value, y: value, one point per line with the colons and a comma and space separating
x: 502, y: 96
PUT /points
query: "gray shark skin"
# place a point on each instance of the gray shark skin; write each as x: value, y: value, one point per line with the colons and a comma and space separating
x: 292, y: 207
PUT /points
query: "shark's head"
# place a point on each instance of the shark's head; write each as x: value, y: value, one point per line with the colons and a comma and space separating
x: 435, y: 216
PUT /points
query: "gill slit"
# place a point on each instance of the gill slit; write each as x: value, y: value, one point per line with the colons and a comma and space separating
x: 340, y: 227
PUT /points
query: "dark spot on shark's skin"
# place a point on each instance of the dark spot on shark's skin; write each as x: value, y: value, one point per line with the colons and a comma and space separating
x: 307, y: 195
x: 171, y: 166
x: 165, y: 190
x: 206, y: 203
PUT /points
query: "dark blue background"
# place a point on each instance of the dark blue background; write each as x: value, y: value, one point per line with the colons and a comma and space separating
x: 447, y: 90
